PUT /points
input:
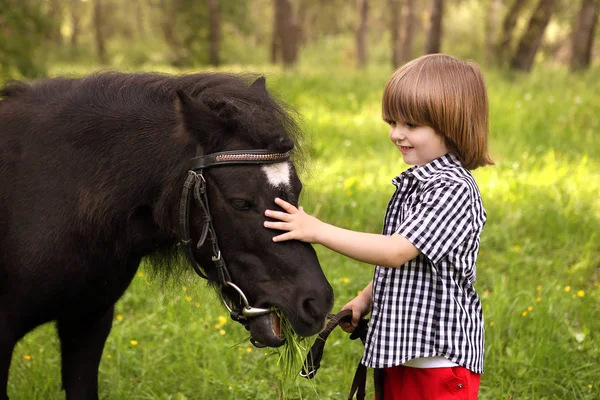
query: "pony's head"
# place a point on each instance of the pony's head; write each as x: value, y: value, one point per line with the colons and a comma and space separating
x: 225, y: 114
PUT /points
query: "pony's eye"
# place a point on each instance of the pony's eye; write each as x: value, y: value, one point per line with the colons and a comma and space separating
x: 241, y: 204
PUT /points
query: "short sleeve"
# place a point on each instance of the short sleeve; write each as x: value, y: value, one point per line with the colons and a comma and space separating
x: 441, y: 219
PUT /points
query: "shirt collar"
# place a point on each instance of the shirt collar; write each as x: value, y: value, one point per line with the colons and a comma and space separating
x: 425, y: 172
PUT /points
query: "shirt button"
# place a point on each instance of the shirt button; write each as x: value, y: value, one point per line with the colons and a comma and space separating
x: 460, y: 385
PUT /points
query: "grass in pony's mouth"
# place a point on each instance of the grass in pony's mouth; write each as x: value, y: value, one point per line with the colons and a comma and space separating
x: 292, y: 353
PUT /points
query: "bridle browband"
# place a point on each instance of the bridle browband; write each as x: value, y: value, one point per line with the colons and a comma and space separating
x: 195, y: 185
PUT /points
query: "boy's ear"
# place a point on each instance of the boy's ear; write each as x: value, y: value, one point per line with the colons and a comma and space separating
x: 204, y: 124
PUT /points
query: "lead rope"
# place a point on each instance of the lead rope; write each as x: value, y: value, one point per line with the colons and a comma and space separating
x: 313, y: 359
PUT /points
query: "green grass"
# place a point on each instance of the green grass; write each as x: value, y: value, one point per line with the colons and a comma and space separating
x: 538, y: 272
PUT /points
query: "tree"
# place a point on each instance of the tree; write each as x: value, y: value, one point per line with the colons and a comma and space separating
x: 286, y: 33
x: 508, y: 26
x: 361, y: 33
x: 433, y: 43
x: 491, y: 31
x: 583, y: 35
x: 532, y: 38
x: 408, y: 26
x: 214, y: 36
x: 54, y: 13
x: 393, y: 11
x: 75, y: 23
x: 23, y: 26
x: 99, y: 34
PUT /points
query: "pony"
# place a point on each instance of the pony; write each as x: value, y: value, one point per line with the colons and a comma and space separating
x: 101, y: 171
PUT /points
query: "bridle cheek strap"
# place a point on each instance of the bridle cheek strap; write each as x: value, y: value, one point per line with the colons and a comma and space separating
x: 195, y: 185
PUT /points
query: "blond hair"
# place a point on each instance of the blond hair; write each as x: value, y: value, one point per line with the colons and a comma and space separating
x: 448, y: 95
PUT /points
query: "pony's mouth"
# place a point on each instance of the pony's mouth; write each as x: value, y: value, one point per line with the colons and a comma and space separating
x: 265, y: 330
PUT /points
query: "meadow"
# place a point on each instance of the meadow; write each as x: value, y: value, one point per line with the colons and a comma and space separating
x: 538, y: 271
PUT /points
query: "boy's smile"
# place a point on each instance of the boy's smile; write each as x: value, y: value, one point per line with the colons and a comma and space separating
x: 419, y: 144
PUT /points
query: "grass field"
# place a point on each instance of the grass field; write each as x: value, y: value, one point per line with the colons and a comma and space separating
x: 538, y: 271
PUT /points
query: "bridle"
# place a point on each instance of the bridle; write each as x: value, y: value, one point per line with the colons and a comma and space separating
x: 195, y: 185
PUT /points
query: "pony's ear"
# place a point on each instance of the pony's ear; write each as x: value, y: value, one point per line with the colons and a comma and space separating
x: 199, y: 120
x: 260, y: 85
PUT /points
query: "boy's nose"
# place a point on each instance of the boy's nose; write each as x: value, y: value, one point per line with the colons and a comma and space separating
x: 397, y: 133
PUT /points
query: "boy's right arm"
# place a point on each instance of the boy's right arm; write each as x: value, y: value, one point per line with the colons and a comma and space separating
x: 360, y: 306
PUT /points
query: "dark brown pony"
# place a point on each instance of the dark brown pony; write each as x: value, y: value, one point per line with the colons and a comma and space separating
x: 91, y: 178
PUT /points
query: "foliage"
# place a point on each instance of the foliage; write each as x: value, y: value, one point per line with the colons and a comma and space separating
x: 538, y: 270
x: 22, y: 29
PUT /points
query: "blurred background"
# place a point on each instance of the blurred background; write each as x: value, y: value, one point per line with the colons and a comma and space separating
x: 133, y: 34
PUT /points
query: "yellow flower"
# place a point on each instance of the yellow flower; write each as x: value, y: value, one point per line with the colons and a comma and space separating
x: 109, y: 356
x: 567, y: 289
x: 185, y: 289
x: 345, y: 280
x: 248, y: 349
x: 140, y: 274
x: 539, y: 288
x: 222, y: 332
x: 538, y: 299
x: 492, y: 324
x: 222, y: 320
x: 581, y: 293
x: 119, y: 317
x: 530, y: 308
x: 486, y: 293
x: 133, y: 342
x: 188, y: 298
x: 218, y: 326
x: 27, y: 358
x: 516, y: 247
x: 197, y: 305
x: 524, y: 313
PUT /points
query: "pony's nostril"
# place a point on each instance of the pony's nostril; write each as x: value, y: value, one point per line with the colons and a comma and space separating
x: 310, y: 309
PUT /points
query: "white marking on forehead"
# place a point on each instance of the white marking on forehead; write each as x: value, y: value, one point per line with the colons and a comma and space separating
x: 277, y: 174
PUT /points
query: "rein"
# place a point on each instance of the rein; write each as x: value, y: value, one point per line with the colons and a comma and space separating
x: 195, y: 186
x: 313, y: 358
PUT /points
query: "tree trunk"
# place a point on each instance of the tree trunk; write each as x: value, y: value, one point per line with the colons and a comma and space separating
x: 532, y: 38
x: 276, y: 38
x: 75, y: 23
x: 434, y: 35
x: 53, y: 33
x: 508, y: 26
x: 98, y: 18
x: 215, y: 32
x: 287, y: 36
x: 179, y: 56
x: 583, y: 35
x: 408, y: 27
x: 492, y: 27
x: 139, y: 19
x: 361, y: 33
x: 394, y: 12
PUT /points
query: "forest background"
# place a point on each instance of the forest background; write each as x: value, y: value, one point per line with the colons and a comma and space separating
x: 539, y: 265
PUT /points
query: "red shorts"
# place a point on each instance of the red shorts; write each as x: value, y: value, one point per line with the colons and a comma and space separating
x: 408, y: 383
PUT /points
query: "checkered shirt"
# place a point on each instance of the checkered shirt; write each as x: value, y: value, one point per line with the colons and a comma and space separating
x: 428, y: 306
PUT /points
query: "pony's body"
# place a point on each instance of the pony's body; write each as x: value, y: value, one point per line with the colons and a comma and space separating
x: 91, y: 172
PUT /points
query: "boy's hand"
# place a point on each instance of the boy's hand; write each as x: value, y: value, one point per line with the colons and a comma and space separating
x: 300, y: 225
x: 360, y: 306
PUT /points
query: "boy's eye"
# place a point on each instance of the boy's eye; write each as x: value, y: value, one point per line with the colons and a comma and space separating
x: 411, y: 125
x: 391, y: 122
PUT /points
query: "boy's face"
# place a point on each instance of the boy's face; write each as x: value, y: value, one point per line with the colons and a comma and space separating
x: 419, y: 145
